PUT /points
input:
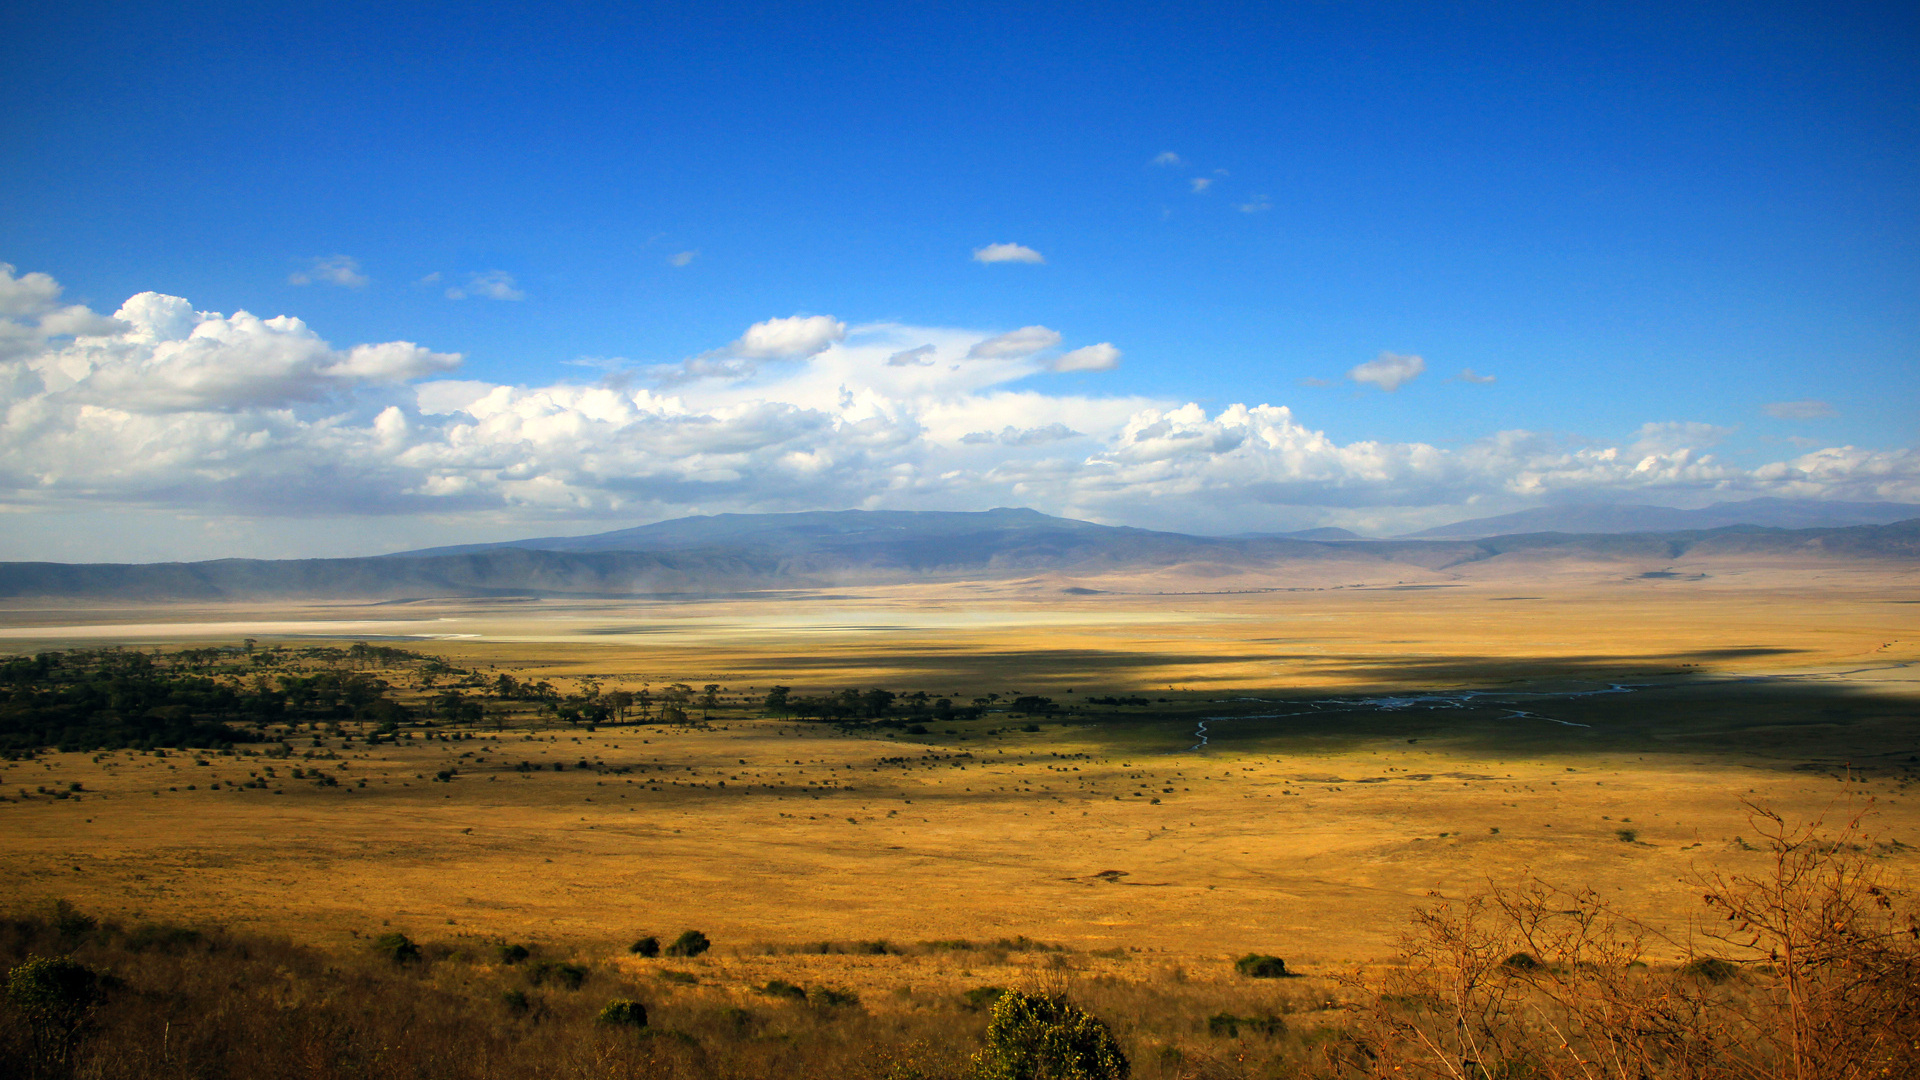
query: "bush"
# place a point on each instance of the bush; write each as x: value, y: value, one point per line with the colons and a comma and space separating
x: 648, y: 946
x: 513, y: 954
x: 1261, y: 966
x: 982, y: 997
x: 571, y: 976
x: 826, y: 997
x: 515, y: 1000
x: 1521, y: 961
x: 1040, y: 1038
x: 623, y: 1012
x: 397, y: 947
x: 691, y: 943
x: 56, y: 995
x: 781, y: 988
x: 1711, y: 968
x: 1227, y: 1024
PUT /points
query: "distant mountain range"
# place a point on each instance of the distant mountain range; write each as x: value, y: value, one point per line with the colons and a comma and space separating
x: 748, y: 554
x: 1602, y: 518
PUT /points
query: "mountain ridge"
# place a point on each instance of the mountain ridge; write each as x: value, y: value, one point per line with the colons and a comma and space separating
x: 843, y: 550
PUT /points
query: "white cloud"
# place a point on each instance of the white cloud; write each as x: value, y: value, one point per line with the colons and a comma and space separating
x: 921, y: 356
x: 1007, y: 253
x: 1200, y: 184
x: 1676, y: 436
x: 1389, y: 371
x: 1012, y: 436
x: 342, y: 270
x: 1015, y: 344
x: 197, y: 413
x: 1167, y: 157
x: 1808, y: 409
x: 28, y: 294
x: 683, y: 258
x: 1255, y: 205
x: 1467, y: 374
x: 790, y: 338
x: 494, y: 285
x: 1101, y: 357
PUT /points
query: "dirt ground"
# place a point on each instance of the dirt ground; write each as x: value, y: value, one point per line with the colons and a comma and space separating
x: 1313, y: 771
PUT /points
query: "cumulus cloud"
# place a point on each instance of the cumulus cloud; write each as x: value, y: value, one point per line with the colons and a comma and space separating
x: 493, y: 285
x: 788, y: 339
x: 1389, y: 371
x: 1007, y: 253
x: 29, y: 294
x: 1808, y: 409
x: 1167, y: 157
x: 921, y: 356
x: 683, y: 258
x: 260, y: 418
x: 1101, y: 357
x: 342, y: 270
x: 1200, y: 184
x: 1467, y: 374
x: 1015, y: 344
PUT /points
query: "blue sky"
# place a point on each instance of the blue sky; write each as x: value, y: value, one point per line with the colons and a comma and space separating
x: 1681, y: 234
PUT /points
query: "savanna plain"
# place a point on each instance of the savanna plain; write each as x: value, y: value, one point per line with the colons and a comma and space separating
x: 878, y: 807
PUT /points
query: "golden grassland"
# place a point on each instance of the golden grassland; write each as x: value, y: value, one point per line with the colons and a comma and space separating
x: 1299, y: 828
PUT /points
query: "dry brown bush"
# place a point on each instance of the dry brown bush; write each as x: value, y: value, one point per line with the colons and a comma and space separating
x: 1808, y: 969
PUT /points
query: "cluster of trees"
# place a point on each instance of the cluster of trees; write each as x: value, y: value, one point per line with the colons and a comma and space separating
x: 103, y: 699
x: 879, y: 705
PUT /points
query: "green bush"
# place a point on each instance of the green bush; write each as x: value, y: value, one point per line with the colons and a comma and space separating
x: 691, y: 943
x: 982, y: 997
x: 55, y: 995
x: 513, y: 954
x: 648, y: 946
x: 515, y: 1000
x: 397, y: 947
x: 623, y: 1012
x: 1040, y: 1038
x: 1261, y: 966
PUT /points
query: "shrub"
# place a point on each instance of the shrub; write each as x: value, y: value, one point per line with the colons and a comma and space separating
x: 982, y: 997
x: 571, y: 976
x: 1261, y: 966
x: 826, y: 997
x: 56, y: 995
x: 513, y: 954
x: 1521, y: 961
x: 515, y: 1000
x: 1711, y: 968
x: 648, y: 946
x: 781, y: 988
x: 161, y: 937
x: 1225, y: 1023
x: 1041, y: 1038
x: 1626, y: 836
x: 397, y: 947
x: 684, y: 978
x: 623, y: 1012
x: 691, y: 943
